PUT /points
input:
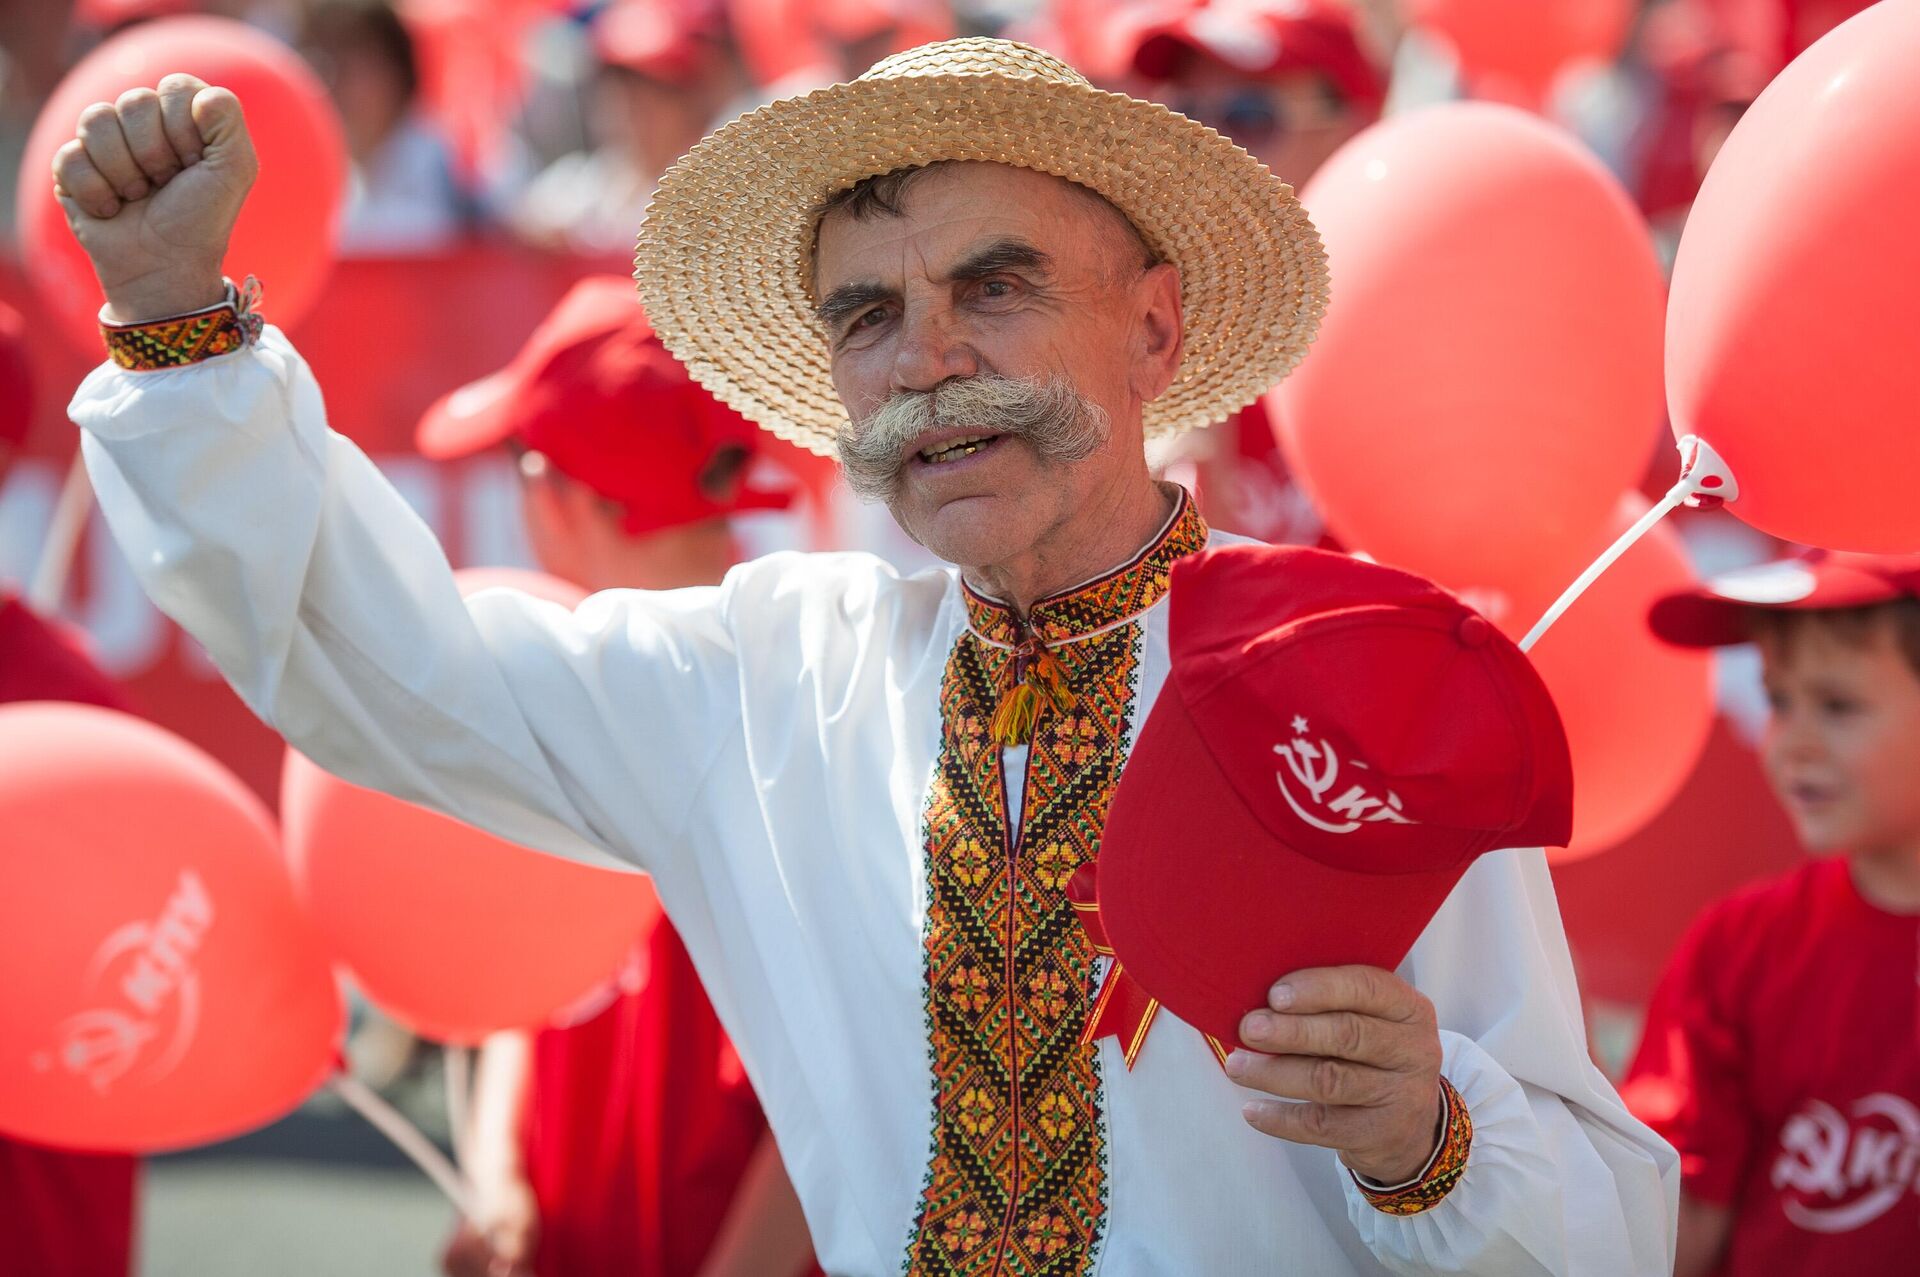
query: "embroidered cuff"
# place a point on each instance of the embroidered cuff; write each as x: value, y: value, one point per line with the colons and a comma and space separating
x: 1443, y: 1169
x: 179, y: 340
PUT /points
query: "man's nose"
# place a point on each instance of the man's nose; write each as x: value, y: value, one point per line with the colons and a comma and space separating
x: 932, y: 349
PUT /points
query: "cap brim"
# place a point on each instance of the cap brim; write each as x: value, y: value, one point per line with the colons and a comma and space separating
x: 1207, y: 910
x: 1720, y: 612
x: 1699, y: 618
x: 469, y: 420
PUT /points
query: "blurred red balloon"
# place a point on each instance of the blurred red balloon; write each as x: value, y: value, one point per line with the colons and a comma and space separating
x: 1487, y: 379
x: 453, y: 931
x: 1637, y: 712
x: 286, y: 232
x: 1795, y: 320
x: 163, y: 988
x: 1516, y: 48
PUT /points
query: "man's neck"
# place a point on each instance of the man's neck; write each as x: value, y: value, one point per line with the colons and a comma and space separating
x: 1106, y: 532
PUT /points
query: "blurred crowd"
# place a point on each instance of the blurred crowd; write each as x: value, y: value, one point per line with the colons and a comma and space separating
x: 548, y: 121
x: 542, y: 126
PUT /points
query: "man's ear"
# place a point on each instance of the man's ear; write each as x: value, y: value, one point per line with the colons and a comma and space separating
x: 1159, y: 333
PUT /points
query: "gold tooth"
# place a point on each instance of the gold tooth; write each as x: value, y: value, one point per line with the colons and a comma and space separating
x: 958, y: 448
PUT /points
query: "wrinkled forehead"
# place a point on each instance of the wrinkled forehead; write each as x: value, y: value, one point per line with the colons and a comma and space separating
x: 940, y: 214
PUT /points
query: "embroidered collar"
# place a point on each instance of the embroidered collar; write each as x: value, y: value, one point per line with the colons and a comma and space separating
x: 1109, y: 600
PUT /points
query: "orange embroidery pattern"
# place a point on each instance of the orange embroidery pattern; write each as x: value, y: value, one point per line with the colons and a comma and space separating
x: 1015, y: 1186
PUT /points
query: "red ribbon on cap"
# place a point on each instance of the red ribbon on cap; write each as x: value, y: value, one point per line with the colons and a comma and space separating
x: 1122, y: 1009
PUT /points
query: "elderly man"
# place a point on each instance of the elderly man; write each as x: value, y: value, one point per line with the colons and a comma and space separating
x: 863, y: 795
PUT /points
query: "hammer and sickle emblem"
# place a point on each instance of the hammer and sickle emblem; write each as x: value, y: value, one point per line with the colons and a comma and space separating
x: 1316, y: 769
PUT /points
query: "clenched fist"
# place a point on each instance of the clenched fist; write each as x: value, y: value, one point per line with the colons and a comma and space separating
x: 152, y: 185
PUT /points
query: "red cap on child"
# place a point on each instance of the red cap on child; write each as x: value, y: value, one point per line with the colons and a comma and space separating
x: 596, y: 394
x: 1335, y: 744
x: 1717, y: 614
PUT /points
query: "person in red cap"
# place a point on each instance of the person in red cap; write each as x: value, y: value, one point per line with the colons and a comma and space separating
x: 666, y: 69
x: 1291, y: 81
x: 1781, y: 1054
x: 62, y: 1214
x: 627, y: 1143
x: 1709, y: 60
x: 630, y: 469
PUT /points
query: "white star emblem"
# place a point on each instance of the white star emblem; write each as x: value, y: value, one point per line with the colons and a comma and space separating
x: 1299, y: 725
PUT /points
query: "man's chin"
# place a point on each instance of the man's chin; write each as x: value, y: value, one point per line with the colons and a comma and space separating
x: 970, y: 531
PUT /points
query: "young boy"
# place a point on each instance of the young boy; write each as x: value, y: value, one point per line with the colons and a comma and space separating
x: 1782, y: 1050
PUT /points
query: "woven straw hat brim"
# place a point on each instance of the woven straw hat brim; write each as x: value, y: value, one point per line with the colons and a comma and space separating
x: 724, y: 258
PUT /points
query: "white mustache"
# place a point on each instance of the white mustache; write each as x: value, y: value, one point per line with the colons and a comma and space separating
x: 1056, y: 420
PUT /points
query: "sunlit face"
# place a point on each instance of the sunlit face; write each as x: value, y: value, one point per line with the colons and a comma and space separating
x: 1842, y: 748
x: 996, y: 271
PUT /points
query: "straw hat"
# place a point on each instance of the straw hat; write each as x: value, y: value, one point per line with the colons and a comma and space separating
x: 724, y: 262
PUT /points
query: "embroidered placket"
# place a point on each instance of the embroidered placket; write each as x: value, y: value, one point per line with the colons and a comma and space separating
x: 1015, y: 1185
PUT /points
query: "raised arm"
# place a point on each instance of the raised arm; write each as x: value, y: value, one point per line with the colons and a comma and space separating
x: 323, y: 599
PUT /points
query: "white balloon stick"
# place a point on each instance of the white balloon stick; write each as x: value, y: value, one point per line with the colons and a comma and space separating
x: 391, y: 1123
x: 459, y: 1083
x: 49, y: 584
x: 1704, y: 480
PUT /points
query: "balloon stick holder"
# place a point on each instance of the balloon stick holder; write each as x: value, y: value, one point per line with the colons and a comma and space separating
x: 1705, y: 482
x: 391, y: 1123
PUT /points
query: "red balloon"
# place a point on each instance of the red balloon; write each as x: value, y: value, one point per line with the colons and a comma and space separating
x: 1523, y: 45
x: 163, y: 987
x: 285, y: 234
x: 455, y: 932
x: 1795, y: 320
x: 1637, y: 712
x: 1487, y: 380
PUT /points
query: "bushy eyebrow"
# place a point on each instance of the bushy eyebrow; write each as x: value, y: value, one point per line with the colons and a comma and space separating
x: 848, y: 300
x: 1003, y: 255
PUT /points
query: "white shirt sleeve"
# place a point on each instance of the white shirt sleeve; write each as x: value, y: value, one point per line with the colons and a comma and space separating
x: 1560, y: 1179
x: 331, y: 609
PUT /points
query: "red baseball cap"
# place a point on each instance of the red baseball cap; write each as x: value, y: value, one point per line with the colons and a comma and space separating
x: 596, y: 394
x: 1337, y: 741
x: 1265, y: 37
x: 1718, y: 613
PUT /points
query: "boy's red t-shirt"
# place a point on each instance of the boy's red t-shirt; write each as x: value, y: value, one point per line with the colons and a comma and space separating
x: 1782, y: 1059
